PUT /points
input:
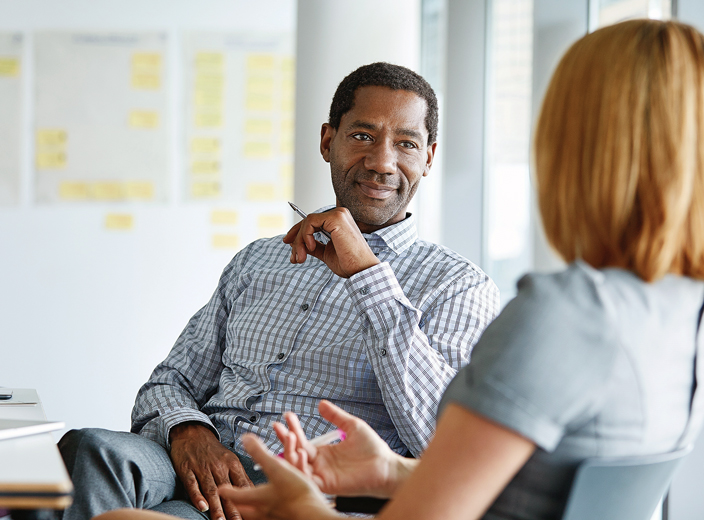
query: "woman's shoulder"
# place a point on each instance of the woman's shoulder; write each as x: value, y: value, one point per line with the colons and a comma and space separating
x: 579, y: 286
x: 543, y: 361
x: 549, y: 308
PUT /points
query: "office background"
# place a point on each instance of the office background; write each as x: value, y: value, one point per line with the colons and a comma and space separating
x: 95, y: 289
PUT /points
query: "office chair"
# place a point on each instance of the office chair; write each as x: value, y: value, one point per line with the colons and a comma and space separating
x: 618, y: 488
x: 621, y: 488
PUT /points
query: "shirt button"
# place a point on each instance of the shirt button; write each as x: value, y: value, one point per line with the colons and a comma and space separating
x: 281, y: 355
x: 364, y: 290
x: 383, y: 351
x: 304, y: 307
x: 253, y: 418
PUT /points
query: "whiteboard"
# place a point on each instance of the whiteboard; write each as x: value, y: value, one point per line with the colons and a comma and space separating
x: 101, y: 116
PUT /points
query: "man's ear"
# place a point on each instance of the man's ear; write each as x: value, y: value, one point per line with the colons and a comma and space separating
x: 327, y: 134
x: 430, y: 157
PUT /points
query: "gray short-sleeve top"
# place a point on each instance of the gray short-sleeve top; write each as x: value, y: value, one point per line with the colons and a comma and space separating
x: 585, y: 363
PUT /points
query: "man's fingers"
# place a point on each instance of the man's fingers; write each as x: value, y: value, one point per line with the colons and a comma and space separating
x: 238, y: 478
x: 211, y: 494
x: 190, y: 483
x: 231, y: 510
x: 291, y: 235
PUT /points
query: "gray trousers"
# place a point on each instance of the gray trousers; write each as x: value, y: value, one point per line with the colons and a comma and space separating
x: 111, y: 470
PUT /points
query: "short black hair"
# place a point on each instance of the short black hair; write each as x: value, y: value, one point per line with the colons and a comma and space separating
x: 382, y: 74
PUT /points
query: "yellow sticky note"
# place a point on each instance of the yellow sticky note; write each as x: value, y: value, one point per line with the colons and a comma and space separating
x: 260, y: 85
x: 144, y: 119
x: 107, y: 191
x: 288, y: 103
x: 226, y: 241
x: 142, y: 190
x: 260, y: 62
x: 146, y: 60
x: 205, y: 167
x: 51, y: 160
x: 205, y: 145
x: 9, y: 67
x: 209, y: 82
x: 73, y: 190
x: 288, y: 65
x: 257, y: 150
x: 209, y: 60
x: 287, y: 190
x: 222, y: 216
x: 257, y: 126
x: 286, y: 146
x: 208, y: 98
x: 51, y: 137
x: 261, y: 192
x: 146, y: 81
x: 208, y: 119
x: 122, y: 221
x: 271, y: 221
x: 260, y: 102
x: 288, y: 87
x: 205, y: 190
x: 286, y: 171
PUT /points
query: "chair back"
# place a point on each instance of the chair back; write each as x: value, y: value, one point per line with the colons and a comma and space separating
x: 621, y: 488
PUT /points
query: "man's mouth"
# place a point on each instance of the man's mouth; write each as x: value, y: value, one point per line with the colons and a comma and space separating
x: 376, y: 191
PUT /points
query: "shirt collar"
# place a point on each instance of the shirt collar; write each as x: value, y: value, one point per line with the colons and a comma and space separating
x: 397, y: 237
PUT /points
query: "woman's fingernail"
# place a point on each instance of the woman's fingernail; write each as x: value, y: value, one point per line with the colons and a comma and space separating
x: 203, y: 506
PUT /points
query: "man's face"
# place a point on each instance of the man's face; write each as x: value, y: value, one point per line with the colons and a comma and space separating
x: 378, y: 155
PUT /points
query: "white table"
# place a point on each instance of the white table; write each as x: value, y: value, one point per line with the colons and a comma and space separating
x: 32, y: 473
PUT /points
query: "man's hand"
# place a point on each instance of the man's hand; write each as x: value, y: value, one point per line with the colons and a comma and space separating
x: 203, y: 464
x: 346, y: 254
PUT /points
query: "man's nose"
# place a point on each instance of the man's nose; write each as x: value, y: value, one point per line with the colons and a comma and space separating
x: 381, y: 158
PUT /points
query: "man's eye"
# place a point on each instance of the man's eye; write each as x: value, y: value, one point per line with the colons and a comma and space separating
x: 408, y: 144
x: 362, y: 137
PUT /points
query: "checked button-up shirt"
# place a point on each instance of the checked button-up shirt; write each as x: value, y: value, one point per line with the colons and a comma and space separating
x: 383, y: 344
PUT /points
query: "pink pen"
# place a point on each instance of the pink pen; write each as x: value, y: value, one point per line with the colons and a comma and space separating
x: 327, y: 438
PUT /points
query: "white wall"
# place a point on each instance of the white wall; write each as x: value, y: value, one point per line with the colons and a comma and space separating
x: 85, y: 314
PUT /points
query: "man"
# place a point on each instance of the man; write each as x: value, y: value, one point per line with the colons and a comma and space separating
x: 373, y: 319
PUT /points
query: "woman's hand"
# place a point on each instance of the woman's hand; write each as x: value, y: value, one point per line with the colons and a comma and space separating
x: 289, y: 495
x: 362, y: 464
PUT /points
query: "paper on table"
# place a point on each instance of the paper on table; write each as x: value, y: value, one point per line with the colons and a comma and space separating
x: 10, y: 428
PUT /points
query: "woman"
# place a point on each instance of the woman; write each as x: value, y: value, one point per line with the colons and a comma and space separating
x: 596, y: 360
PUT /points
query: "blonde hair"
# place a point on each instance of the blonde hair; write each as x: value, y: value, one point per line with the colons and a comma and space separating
x: 619, y: 150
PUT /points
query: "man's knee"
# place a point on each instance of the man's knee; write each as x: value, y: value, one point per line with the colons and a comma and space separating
x: 107, y: 447
x: 87, y: 440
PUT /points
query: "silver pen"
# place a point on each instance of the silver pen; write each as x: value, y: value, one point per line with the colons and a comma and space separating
x: 302, y: 214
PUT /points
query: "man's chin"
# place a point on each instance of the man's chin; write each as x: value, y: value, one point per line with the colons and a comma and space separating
x: 375, y: 220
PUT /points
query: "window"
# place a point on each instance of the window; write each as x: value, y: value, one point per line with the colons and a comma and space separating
x: 608, y: 12
x: 507, y: 196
